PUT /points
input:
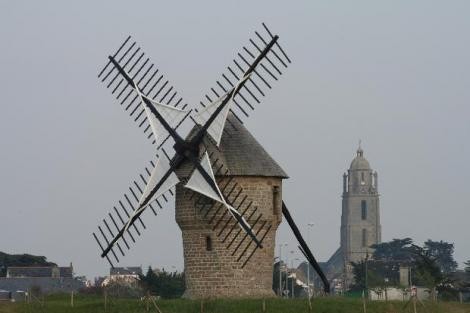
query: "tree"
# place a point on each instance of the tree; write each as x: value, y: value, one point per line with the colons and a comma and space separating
x: 358, y: 270
x: 164, y: 284
x: 149, y: 280
x: 428, y: 273
x: 442, y: 252
x: 467, y: 266
x: 8, y: 260
x: 398, y: 250
x: 379, y: 274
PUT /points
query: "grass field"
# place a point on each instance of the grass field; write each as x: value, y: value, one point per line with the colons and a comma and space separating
x: 94, y: 304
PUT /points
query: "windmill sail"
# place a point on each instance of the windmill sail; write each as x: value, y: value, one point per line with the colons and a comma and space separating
x: 161, y: 180
x: 124, y: 223
x: 170, y: 114
x: 216, y: 128
x: 158, y: 109
x: 198, y: 182
x: 266, y: 72
x: 160, y: 169
x: 128, y: 71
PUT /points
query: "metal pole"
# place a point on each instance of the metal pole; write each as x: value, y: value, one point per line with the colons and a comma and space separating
x: 280, y: 270
x: 287, y: 274
x: 310, y: 225
x: 291, y: 268
x: 308, y: 279
x: 292, y: 278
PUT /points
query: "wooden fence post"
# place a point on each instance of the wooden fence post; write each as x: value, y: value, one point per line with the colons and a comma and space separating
x: 202, y: 306
x: 264, y: 305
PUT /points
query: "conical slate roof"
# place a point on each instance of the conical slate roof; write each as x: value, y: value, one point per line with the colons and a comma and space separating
x: 240, y: 153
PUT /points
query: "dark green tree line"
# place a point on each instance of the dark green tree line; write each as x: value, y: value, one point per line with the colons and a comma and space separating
x: 164, y: 284
x: 431, y: 264
x: 467, y: 266
x: 7, y: 260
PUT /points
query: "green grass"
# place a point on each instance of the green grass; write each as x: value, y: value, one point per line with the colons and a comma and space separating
x: 95, y: 304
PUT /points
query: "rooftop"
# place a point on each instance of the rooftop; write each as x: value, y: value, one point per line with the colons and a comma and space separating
x: 240, y: 153
x: 39, y: 271
x: 132, y: 270
x: 359, y: 162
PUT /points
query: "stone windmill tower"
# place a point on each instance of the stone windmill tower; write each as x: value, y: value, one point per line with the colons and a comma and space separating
x: 212, y: 270
x: 227, y: 189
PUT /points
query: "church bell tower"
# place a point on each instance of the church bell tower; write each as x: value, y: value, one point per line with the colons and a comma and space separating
x: 360, y: 219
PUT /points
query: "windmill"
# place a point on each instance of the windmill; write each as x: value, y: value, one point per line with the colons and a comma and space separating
x: 196, y: 164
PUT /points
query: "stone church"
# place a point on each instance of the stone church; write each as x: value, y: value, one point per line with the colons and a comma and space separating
x: 360, y: 219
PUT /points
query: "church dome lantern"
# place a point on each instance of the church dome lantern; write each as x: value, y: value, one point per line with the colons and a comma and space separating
x: 359, y: 162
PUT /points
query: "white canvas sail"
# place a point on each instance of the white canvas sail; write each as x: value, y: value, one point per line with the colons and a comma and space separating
x: 216, y: 128
x: 156, y: 177
x: 198, y: 183
x: 169, y: 113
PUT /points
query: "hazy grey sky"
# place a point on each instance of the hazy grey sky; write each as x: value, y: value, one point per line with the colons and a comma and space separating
x: 394, y: 73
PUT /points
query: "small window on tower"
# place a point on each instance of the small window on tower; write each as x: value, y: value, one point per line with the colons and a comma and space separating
x: 364, y: 237
x: 276, y: 205
x: 363, y: 182
x: 208, y: 243
x: 364, y: 209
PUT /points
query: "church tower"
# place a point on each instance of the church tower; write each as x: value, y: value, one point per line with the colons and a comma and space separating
x: 360, y: 219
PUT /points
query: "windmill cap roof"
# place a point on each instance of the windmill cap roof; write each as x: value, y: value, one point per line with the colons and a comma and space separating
x: 359, y: 162
x: 241, y: 154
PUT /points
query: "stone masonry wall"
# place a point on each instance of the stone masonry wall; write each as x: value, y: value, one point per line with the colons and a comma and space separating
x: 218, y: 272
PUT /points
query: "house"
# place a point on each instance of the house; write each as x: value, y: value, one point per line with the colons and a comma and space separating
x: 45, y: 279
x: 5, y: 295
x: 123, y: 275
